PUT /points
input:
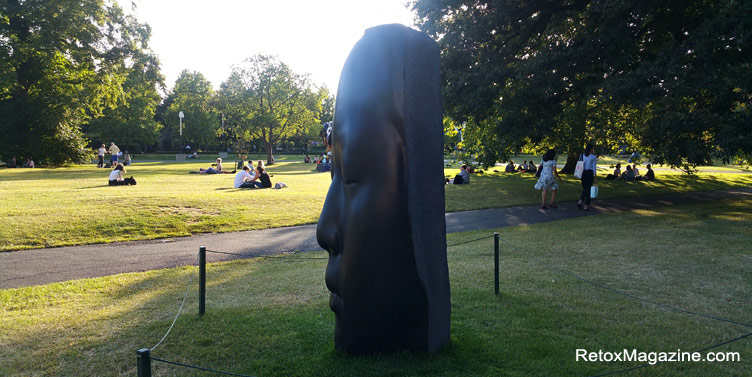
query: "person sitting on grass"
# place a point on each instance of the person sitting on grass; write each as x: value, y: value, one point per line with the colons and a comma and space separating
x: 217, y: 170
x: 510, y: 167
x: 649, y: 175
x: 324, y: 165
x: 307, y: 159
x: 266, y: 182
x: 523, y: 167
x: 463, y: 178
x: 117, y: 177
x: 531, y: 168
x: 244, y: 179
x: 616, y: 175
x: 636, y: 172
x: 628, y: 175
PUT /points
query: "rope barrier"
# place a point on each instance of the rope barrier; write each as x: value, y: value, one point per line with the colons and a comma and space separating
x: 180, y: 309
x: 661, y: 362
x: 470, y: 241
x: 200, y: 368
x: 264, y: 256
x: 612, y: 290
x: 515, y: 248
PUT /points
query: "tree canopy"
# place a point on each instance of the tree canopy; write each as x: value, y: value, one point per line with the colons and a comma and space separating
x: 192, y: 94
x: 671, y: 78
x: 264, y: 99
x: 63, y: 63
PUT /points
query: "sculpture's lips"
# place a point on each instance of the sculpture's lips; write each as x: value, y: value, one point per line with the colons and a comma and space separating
x: 336, y: 303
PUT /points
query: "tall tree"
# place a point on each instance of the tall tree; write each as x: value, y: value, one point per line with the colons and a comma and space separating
x: 670, y: 78
x: 62, y: 63
x: 266, y: 100
x: 131, y: 120
x: 192, y: 94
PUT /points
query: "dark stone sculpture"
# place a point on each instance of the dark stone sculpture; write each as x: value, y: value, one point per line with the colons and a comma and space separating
x: 383, y: 220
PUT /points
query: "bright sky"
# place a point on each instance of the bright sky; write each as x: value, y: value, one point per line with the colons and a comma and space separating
x: 308, y: 35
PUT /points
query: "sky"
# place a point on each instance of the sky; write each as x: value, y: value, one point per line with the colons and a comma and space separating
x: 310, y: 36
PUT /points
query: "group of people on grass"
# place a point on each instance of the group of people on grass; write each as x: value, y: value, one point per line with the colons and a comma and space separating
x: 115, y: 155
x: 323, y: 162
x: 549, y: 175
x: 13, y: 163
x: 631, y: 173
x: 253, y: 177
x: 525, y: 167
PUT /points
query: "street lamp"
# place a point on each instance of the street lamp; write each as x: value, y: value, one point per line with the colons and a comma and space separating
x: 181, y: 116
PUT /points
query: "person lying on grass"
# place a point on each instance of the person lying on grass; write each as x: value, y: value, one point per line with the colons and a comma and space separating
x: 217, y: 170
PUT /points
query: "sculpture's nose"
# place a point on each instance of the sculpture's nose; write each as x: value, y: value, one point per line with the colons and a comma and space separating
x: 328, y: 232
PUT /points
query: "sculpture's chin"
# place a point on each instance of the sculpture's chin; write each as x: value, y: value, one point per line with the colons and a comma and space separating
x: 336, y: 303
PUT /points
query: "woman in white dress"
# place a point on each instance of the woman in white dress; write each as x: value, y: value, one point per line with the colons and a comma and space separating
x: 547, y: 180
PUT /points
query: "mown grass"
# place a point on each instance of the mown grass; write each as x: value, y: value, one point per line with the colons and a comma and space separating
x: 73, y: 205
x: 498, y: 189
x: 271, y: 318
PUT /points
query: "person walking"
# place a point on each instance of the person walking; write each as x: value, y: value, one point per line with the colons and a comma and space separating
x: 588, y: 176
x: 547, y: 179
x: 100, y: 153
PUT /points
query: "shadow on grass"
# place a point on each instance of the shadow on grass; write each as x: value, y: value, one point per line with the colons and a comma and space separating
x: 93, y: 187
x: 268, y: 318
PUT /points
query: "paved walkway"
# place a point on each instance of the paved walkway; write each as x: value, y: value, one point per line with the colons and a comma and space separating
x: 42, y: 266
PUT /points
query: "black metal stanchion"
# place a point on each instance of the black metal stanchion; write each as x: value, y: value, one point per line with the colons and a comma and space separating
x: 496, y: 263
x: 201, y: 280
x: 143, y: 360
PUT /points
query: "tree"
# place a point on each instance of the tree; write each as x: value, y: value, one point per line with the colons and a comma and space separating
x: 192, y: 94
x: 61, y: 64
x: 264, y: 99
x: 131, y: 121
x: 669, y: 78
x: 327, y: 107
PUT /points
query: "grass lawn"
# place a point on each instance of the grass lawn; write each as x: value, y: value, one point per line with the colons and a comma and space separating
x: 494, y: 190
x: 271, y: 318
x: 74, y: 205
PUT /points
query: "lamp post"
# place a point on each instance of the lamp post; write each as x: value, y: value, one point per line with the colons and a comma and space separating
x: 180, y: 115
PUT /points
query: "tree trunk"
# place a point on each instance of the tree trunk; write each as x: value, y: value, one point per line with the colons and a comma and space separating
x: 570, y: 164
x: 269, y: 157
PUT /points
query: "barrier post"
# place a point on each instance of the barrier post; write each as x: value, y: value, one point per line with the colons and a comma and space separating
x: 201, y: 280
x: 143, y: 360
x: 496, y: 263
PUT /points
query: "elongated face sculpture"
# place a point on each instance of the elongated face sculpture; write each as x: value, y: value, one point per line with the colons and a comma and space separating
x: 383, y: 220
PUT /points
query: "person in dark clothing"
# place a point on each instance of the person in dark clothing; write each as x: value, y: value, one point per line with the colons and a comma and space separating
x: 649, y: 175
x: 264, y: 177
x: 616, y: 175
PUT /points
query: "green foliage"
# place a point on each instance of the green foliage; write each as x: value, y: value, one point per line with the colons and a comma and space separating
x: 670, y: 79
x: 193, y: 95
x: 130, y: 120
x: 264, y: 99
x: 62, y: 63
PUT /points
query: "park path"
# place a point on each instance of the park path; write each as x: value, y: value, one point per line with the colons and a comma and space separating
x: 42, y: 266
